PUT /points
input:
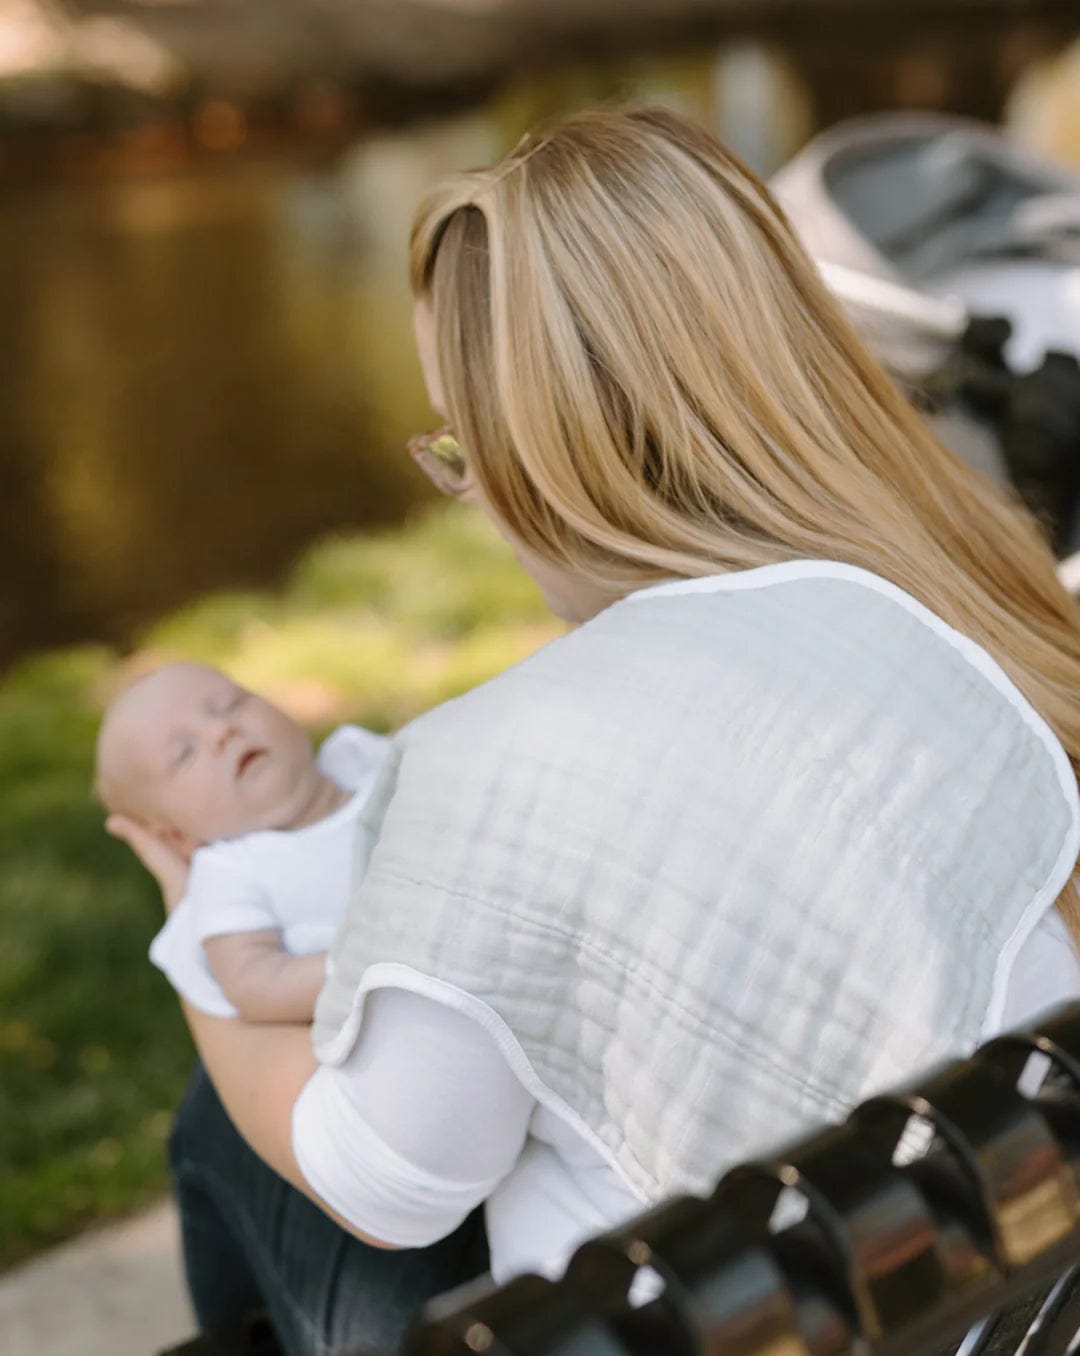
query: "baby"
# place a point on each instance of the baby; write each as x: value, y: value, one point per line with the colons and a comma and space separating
x: 221, y: 775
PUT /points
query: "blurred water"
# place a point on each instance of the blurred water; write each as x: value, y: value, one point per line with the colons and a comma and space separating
x: 201, y: 372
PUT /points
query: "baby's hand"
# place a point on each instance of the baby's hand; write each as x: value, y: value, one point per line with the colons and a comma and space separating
x: 165, y: 861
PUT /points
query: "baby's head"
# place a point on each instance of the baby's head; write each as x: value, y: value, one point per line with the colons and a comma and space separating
x: 196, y: 757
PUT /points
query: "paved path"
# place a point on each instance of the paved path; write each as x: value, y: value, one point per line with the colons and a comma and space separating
x: 116, y: 1291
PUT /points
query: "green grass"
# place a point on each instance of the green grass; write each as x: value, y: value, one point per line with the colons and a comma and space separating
x: 93, y: 1052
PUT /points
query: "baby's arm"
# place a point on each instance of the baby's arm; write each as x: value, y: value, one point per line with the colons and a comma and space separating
x: 263, y: 981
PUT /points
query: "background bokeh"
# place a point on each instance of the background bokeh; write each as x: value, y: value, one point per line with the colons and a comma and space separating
x: 206, y: 379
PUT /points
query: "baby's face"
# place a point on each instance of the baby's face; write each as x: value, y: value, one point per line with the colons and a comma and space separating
x: 199, y: 754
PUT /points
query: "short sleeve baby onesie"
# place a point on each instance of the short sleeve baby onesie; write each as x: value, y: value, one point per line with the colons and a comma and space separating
x: 296, y: 881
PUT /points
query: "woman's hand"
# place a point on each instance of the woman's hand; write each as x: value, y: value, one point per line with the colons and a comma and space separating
x: 166, y: 858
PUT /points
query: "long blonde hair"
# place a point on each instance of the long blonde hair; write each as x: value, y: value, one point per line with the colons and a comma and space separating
x: 651, y: 380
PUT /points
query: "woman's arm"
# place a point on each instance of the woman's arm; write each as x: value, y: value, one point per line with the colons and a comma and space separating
x: 258, y: 1071
x: 417, y: 1126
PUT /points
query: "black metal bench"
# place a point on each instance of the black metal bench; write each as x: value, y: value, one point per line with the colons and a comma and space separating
x: 942, y: 1216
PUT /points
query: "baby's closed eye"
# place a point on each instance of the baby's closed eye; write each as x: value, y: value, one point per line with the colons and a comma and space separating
x: 181, y: 753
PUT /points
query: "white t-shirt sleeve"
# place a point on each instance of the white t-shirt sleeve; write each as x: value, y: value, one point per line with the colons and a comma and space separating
x: 1046, y: 971
x: 417, y: 1127
x: 218, y: 899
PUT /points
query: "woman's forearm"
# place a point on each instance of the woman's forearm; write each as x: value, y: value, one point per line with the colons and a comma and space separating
x: 259, y: 1072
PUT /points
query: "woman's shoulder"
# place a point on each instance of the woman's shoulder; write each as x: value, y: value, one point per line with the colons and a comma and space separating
x: 838, y: 617
x: 846, y: 594
x: 735, y: 621
x: 768, y: 668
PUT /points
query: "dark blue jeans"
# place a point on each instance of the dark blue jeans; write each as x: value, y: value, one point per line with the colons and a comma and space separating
x: 252, y: 1242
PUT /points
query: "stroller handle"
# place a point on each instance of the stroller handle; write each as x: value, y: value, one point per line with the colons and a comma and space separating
x: 1069, y: 572
x: 938, y: 317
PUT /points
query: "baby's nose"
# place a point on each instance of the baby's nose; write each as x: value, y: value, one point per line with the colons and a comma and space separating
x: 223, y: 731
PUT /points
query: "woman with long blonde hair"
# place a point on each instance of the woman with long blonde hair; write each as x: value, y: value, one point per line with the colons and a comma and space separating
x: 792, y: 813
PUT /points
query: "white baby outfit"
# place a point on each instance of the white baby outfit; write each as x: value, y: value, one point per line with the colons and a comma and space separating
x: 296, y: 881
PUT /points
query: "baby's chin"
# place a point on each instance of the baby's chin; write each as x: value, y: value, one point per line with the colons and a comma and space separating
x: 278, y: 818
x: 240, y: 826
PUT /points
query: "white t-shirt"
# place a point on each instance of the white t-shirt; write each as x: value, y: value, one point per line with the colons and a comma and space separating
x: 295, y: 881
x: 426, y: 1119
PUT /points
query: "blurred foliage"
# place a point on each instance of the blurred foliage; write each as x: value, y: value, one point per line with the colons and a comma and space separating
x: 93, y: 1051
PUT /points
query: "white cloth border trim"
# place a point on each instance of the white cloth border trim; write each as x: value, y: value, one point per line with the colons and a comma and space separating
x: 394, y: 975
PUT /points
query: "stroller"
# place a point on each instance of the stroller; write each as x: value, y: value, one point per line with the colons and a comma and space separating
x: 957, y: 256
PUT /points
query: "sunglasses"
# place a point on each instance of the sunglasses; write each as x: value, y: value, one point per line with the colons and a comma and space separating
x: 440, y: 457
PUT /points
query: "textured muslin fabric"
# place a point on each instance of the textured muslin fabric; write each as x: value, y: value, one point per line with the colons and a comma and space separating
x: 725, y: 860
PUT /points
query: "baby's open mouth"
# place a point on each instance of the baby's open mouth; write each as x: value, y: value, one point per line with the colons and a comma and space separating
x: 247, y: 759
